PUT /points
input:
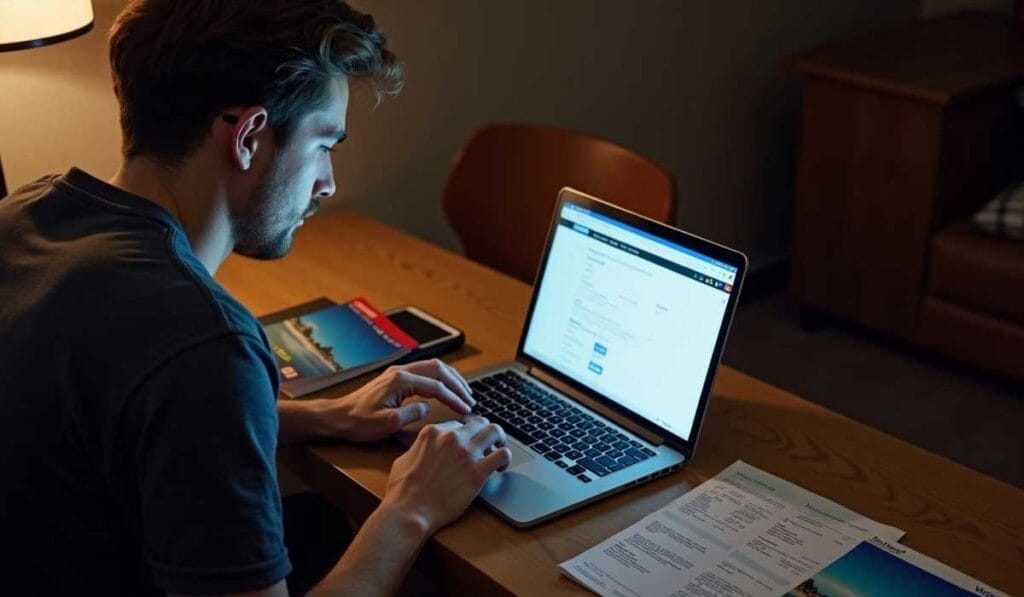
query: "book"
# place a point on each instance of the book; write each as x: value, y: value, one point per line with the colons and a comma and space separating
x: 321, y: 344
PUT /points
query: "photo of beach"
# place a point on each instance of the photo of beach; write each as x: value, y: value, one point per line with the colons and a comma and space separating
x: 867, y: 570
x: 326, y: 342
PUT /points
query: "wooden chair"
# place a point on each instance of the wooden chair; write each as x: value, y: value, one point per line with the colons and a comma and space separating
x: 3, y: 185
x: 502, y: 189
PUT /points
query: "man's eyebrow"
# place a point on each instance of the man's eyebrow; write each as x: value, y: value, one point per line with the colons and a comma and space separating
x: 334, y: 133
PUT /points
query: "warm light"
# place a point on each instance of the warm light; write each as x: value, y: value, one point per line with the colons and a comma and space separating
x: 31, y: 23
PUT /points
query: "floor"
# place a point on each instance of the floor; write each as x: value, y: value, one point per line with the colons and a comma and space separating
x: 925, y: 400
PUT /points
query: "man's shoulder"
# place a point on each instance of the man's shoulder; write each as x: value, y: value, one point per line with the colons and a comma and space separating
x: 166, y: 302
x: 107, y: 277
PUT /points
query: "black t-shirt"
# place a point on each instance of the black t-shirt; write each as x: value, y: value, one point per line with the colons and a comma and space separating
x: 138, y: 421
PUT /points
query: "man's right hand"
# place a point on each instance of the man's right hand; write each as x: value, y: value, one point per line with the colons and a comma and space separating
x: 444, y: 469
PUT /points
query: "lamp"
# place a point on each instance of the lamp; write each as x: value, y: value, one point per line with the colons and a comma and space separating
x: 26, y: 24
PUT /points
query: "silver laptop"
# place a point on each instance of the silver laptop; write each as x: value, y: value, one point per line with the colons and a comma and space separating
x: 615, y: 363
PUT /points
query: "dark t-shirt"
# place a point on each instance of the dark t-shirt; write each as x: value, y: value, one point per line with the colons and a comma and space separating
x: 138, y: 421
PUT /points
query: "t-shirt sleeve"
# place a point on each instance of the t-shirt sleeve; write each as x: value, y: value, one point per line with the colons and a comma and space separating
x: 203, y: 429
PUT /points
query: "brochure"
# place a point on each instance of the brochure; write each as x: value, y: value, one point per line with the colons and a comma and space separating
x: 329, y: 345
x: 748, y: 533
x: 880, y: 567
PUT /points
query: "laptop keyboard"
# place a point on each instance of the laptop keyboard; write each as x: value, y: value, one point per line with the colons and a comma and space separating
x: 574, y: 440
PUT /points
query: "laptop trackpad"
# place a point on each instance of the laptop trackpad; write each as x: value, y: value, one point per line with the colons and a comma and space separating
x: 519, y: 455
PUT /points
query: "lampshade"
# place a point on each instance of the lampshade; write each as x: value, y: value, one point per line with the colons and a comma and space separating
x: 33, y: 23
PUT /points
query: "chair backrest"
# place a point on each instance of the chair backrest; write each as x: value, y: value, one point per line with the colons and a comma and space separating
x: 3, y: 185
x: 503, y: 185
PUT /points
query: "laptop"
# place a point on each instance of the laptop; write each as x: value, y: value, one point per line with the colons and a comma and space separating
x: 615, y: 363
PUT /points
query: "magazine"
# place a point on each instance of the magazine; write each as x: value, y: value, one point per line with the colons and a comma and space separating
x: 332, y: 344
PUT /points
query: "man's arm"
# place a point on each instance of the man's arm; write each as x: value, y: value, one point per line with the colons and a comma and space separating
x: 196, y: 445
x: 429, y: 486
x: 374, y: 564
x: 378, y: 409
x: 379, y: 557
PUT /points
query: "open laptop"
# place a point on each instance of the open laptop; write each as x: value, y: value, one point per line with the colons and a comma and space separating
x: 615, y: 363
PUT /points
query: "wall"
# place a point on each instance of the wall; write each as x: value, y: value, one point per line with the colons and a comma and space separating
x: 693, y: 84
x: 57, y: 107
x: 931, y: 8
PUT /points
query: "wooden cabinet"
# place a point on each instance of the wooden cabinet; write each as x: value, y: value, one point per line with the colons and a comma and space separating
x: 902, y: 132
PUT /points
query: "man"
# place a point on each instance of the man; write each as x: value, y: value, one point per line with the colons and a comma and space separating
x: 138, y: 402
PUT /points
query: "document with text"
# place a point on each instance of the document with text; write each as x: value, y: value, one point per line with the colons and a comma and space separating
x: 748, y: 533
x: 743, y: 532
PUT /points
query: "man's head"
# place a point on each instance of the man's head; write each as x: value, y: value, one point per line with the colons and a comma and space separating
x: 268, y: 80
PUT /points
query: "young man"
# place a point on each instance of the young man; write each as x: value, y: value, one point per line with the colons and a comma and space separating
x: 138, y: 400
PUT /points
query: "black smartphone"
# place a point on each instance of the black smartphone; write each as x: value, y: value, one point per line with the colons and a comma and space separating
x: 434, y: 335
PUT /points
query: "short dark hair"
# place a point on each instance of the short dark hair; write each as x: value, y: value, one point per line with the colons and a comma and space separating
x: 177, y: 64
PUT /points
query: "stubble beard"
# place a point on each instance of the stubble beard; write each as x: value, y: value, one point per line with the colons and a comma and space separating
x: 262, y: 231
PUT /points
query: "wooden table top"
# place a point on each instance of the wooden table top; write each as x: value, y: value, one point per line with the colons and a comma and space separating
x: 949, y: 512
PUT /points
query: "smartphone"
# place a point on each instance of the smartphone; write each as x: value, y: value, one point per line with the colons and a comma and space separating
x: 434, y: 335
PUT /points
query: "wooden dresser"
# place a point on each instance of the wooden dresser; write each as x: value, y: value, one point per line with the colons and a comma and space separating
x: 902, y: 133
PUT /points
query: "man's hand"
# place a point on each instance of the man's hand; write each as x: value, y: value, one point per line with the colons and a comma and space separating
x: 444, y: 469
x: 381, y: 407
x: 429, y: 487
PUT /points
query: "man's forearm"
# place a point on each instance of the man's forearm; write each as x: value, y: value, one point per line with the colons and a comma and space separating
x: 379, y: 557
x: 301, y: 421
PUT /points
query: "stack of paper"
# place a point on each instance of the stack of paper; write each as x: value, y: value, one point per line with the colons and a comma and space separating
x: 746, y: 532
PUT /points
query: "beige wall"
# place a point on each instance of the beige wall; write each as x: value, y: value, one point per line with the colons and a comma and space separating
x: 57, y: 108
x: 694, y: 84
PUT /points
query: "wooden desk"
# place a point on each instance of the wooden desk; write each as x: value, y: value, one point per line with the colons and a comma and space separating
x: 952, y: 513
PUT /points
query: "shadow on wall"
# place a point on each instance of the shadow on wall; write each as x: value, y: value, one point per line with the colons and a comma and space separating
x: 694, y: 85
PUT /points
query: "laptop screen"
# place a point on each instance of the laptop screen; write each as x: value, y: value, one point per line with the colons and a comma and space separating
x: 630, y: 315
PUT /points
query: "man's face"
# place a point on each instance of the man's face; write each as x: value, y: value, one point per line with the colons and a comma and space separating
x: 293, y: 179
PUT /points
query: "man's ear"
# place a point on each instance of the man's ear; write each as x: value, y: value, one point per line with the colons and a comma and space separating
x: 245, y: 135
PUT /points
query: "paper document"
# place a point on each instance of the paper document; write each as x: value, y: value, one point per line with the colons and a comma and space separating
x: 743, y: 532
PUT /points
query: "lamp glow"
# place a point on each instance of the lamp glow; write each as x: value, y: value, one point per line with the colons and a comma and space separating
x: 33, y: 23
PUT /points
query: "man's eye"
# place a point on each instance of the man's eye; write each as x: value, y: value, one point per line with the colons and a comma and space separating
x: 326, y: 148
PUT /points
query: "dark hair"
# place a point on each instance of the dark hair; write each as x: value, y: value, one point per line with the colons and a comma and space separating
x: 177, y: 64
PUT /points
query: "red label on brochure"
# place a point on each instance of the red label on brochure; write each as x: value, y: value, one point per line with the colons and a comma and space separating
x: 381, y: 321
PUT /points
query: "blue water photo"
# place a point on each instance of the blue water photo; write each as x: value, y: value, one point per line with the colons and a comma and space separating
x: 327, y: 341
x: 867, y: 570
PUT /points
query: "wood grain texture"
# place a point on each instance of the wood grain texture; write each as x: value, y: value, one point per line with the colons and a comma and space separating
x: 954, y: 514
x: 862, y: 215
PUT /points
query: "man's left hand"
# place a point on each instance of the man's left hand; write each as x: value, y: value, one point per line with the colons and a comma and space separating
x: 383, y: 406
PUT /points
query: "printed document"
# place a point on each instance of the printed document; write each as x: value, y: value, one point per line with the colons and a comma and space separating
x: 748, y: 533
x: 743, y: 532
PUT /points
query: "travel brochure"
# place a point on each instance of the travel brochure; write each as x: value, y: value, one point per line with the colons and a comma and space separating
x: 879, y: 567
x: 748, y: 533
x: 326, y: 346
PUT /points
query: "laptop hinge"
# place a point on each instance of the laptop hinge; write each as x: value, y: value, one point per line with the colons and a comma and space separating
x: 603, y: 410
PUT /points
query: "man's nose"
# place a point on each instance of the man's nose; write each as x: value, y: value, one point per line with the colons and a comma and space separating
x: 326, y: 190
x: 325, y: 186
